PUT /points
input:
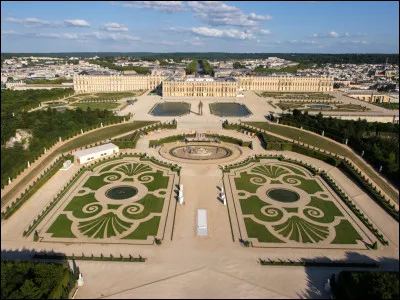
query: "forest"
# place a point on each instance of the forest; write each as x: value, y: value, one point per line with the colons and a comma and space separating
x: 46, y: 126
x: 28, y: 280
x: 14, y: 101
x: 379, y: 141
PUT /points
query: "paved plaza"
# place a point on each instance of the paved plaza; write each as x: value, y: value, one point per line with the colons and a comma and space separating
x: 281, y: 208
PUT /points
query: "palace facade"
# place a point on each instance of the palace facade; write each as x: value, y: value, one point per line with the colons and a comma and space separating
x: 202, y: 87
x: 115, y: 83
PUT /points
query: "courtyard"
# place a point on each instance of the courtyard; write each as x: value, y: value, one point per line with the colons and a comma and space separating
x: 281, y: 208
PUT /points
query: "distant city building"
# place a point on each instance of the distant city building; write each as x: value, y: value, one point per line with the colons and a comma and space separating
x: 371, y: 96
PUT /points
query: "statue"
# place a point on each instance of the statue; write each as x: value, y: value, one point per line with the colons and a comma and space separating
x: 81, y: 282
x: 200, y: 108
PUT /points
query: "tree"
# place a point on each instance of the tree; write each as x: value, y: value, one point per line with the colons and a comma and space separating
x: 10, y: 79
x: 238, y: 65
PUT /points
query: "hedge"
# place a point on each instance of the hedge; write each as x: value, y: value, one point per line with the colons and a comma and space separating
x: 379, y: 199
x: 38, y: 183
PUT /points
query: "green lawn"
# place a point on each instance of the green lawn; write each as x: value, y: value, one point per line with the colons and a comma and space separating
x: 97, y: 105
x: 78, y: 202
x: 97, y: 136
x: 96, y: 182
x: 243, y: 182
x: 151, y: 204
x: 260, y: 232
x: 345, y: 234
x: 145, y: 229
x: 327, y: 145
x: 328, y: 208
x: 160, y: 181
x: 253, y: 205
x: 61, y: 227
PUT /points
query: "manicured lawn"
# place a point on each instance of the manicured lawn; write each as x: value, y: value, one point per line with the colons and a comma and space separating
x: 327, y: 145
x: 145, y: 229
x: 328, y: 208
x: 243, y: 183
x: 97, y: 105
x: 150, y: 203
x: 96, y: 182
x: 253, y: 205
x: 159, y: 182
x: 310, y: 186
x: 78, y: 202
x: 346, y: 234
x: 260, y: 232
x: 61, y: 227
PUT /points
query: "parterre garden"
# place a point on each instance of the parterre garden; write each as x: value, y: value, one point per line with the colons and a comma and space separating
x: 281, y: 204
x: 123, y: 201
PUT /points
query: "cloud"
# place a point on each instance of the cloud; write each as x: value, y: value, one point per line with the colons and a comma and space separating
x: 176, y: 29
x: 35, y: 22
x: 223, y: 33
x: 165, y: 6
x: 218, y: 14
x: 255, y: 17
x: 113, y: 36
x: 76, y: 23
x: 114, y: 27
x: 196, y: 41
x: 118, y: 37
x: 167, y: 43
x: 355, y: 42
x: 303, y: 42
x: 264, y: 32
x: 334, y: 34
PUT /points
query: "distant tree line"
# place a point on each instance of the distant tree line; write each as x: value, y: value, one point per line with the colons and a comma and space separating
x: 379, y: 141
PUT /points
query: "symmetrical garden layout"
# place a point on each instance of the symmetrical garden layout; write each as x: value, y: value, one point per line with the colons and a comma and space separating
x: 122, y: 201
x: 281, y: 204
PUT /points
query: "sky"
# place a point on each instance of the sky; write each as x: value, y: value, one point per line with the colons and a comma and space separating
x: 200, y: 26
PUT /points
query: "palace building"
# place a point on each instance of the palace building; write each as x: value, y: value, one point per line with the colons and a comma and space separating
x: 115, y: 83
x: 173, y: 86
x: 200, y: 87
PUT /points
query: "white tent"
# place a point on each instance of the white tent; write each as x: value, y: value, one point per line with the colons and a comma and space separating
x: 201, y: 222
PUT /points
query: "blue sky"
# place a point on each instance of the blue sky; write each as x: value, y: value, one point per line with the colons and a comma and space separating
x: 194, y: 26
